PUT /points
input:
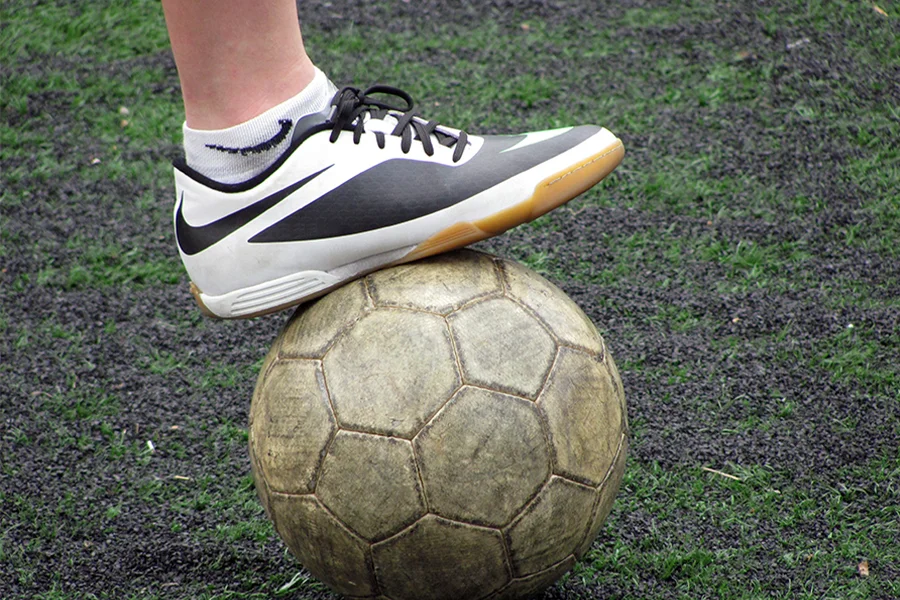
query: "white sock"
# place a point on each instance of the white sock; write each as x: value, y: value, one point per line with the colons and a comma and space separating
x: 238, y: 153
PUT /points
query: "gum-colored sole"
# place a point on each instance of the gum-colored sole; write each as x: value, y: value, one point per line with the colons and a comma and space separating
x: 550, y: 193
x: 195, y: 292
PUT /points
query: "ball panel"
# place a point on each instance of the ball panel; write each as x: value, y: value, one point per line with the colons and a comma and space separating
x: 584, y: 417
x: 329, y: 551
x: 391, y: 371
x: 314, y: 327
x: 617, y: 381
x: 564, y: 318
x: 533, y: 586
x: 370, y: 483
x: 551, y: 527
x: 502, y: 347
x: 259, y: 479
x: 482, y: 457
x: 259, y: 482
x: 423, y: 284
x: 607, y: 493
x: 437, y: 559
x: 291, y: 423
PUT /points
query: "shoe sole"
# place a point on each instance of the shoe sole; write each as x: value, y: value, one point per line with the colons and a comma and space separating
x: 550, y: 193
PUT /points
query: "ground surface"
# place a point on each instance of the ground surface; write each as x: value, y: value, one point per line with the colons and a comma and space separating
x: 742, y: 264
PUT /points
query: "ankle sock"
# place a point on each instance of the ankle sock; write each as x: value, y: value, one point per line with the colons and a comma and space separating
x: 238, y: 153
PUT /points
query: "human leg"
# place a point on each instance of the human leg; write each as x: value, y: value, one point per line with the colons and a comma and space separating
x: 245, y: 79
x: 236, y: 58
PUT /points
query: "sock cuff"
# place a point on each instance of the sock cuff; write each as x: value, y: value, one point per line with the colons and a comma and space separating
x: 310, y: 95
x: 238, y: 153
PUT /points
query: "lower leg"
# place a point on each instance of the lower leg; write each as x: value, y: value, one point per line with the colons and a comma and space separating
x: 236, y: 58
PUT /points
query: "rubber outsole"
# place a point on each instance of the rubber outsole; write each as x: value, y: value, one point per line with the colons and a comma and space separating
x: 550, y: 193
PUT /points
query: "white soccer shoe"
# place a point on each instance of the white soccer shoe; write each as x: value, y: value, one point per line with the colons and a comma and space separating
x: 367, y: 185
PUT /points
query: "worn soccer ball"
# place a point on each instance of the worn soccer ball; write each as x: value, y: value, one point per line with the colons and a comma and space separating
x: 449, y: 429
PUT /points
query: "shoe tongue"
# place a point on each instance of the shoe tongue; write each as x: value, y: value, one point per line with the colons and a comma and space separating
x: 385, y: 125
x: 309, y: 121
x: 388, y: 122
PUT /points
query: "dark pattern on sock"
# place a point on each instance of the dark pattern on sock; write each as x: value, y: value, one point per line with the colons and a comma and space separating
x: 261, y: 147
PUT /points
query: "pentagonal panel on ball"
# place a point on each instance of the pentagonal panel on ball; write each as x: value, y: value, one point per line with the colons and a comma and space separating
x: 553, y: 306
x: 391, y: 372
x: 584, y: 416
x: 314, y: 327
x: 482, y: 457
x: 370, y: 483
x: 607, y: 494
x: 551, y: 527
x: 259, y: 480
x: 617, y: 381
x: 438, y: 284
x: 502, y: 347
x: 327, y: 549
x: 290, y: 423
x: 437, y: 559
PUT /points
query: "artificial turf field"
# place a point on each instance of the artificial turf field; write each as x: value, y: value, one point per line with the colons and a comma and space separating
x: 742, y: 265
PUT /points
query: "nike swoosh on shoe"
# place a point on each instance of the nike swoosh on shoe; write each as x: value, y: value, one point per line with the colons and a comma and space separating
x: 193, y: 240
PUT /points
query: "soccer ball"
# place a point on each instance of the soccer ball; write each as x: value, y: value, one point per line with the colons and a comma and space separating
x: 448, y: 429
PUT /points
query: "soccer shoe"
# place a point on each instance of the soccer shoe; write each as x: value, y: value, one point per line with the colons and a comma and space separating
x: 366, y: 185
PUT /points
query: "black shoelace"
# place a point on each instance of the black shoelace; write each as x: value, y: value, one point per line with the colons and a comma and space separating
x: 352, y: 107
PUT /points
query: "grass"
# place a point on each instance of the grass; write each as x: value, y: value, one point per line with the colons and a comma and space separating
x: 747, y: 256
x: 748, y: 505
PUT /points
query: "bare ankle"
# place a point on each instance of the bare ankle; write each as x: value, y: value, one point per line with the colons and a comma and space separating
x: 232, y: 100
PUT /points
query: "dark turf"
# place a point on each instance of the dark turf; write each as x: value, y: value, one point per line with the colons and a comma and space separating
x: 142, y: 377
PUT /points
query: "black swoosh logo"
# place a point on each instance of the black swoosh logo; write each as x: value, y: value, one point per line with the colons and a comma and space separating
x: 400, y: 190
x: 197, y: 239
x: 265, y: 146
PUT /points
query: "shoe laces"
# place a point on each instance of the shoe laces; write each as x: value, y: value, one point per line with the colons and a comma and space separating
x: 351, y: 107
